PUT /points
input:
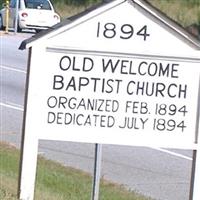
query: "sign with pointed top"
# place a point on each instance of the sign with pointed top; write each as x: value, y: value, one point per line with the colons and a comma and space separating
x: 100, y: 78
x: 116, y: 79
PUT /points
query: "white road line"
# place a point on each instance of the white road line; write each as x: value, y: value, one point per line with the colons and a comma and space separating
x: 12, y: 106
x: 173, y: 153
x: 12, y: 69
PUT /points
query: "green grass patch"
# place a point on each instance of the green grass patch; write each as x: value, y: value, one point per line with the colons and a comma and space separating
x: 54, y: 181
x: 185, y: 12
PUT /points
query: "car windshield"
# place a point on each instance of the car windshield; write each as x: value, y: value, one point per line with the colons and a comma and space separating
x: 37, y: 4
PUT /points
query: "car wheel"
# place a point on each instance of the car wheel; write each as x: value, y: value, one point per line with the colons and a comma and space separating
x: 1, y: 23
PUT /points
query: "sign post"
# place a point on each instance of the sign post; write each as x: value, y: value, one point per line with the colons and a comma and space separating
x: 195, y: 175
x: 196, y: 192
x: 7, y: 15
x: 97, y: 172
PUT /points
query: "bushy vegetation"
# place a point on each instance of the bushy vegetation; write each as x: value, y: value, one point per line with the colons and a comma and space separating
x: 185, y: 12
x: 191, y: 2
x: 1, y: 2
x: 77, y: 2
x: 81, y: 2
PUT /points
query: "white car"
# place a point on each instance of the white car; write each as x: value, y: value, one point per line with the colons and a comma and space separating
x: 32, y: 14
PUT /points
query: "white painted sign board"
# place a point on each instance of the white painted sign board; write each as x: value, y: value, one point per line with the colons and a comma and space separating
x: 112, y: 80
x: 114, y: 99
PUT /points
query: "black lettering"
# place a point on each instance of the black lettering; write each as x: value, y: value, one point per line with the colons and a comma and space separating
x: 109, y: 81
x: 115, y: 106
x: 101, y: 101
x: 83, y: 81
x: 87, y: 64
x: 152, y: 69
x: 88, y: 121
x: 150, y: 90
x: 111, y: 121
x: 102, y: 121
x: 78, y: 119
x: 135, y: 107
x: 128, y: 89
x: 140, y: 88
x: 170, y: 89
x: 124, y: 66
x: 71, y: 84
x: 59, y: 117
x: 164, y: 71
x: 160, y: 87
x: 182, y: 91
x: 82, y: 104
x: 68, y: 118
x: 52, y: 102
x: 72, y: 103
x: 107, y: 106
x: 51, y: 117
x: 110, y: 64
x: 95, y: 83
x: 140, y: 68
x: 62, y: 102
x: 143, y: 108
x: 174, y: 71
x: 58, y: 82
x: 65, y: 63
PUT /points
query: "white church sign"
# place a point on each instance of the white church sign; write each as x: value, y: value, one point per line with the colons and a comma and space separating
x: 101, y: 78
x: 116, y: 99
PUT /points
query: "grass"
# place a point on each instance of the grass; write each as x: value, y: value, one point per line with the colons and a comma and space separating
x: 68, y: 10
x: 185, y: 12
x: 54, y: 181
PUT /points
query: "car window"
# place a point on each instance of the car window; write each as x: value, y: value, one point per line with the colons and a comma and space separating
x: 37, y: 4
x: 12, y: 3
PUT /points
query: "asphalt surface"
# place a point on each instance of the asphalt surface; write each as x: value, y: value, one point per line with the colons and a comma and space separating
x: 158, y: 173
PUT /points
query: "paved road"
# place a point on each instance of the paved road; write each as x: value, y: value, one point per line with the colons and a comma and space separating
x: 161, y: 174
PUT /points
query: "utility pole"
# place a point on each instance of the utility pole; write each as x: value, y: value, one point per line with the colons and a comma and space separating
x: 7, y: 15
